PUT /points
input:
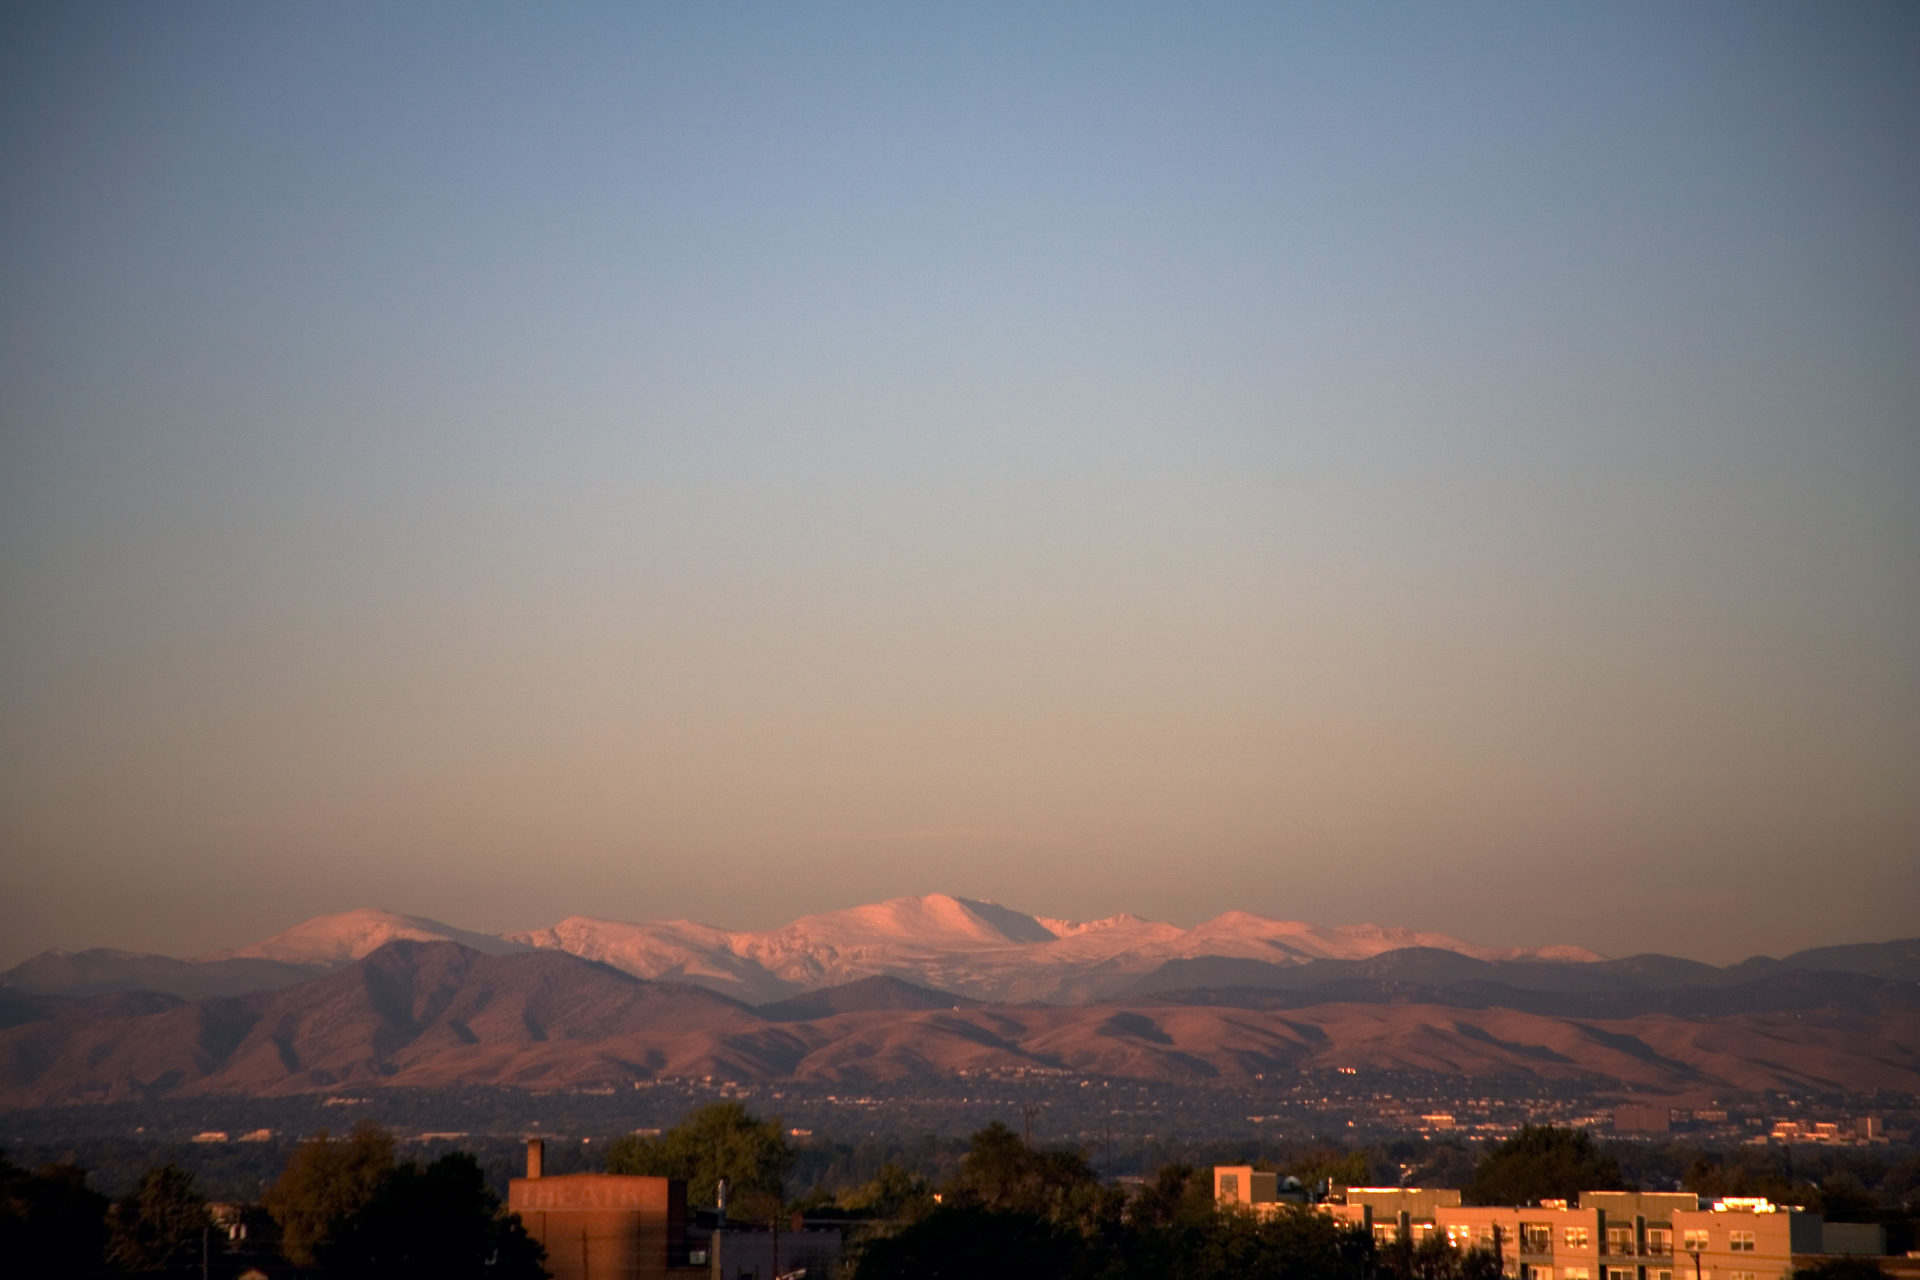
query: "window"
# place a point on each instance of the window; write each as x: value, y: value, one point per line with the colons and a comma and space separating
x: 1620, y: 1273
x: 1620, y: 1240
x: 1659, y: 1241
x: 1576, y: 1237
x: 1536, y: 1237
x: 1695, y: 1240
x: 1740, y: 1241
x: 1230, y: 1186
x: 1574, y: 1273
x: 1740, y: 1275
x: 1386, y: 1232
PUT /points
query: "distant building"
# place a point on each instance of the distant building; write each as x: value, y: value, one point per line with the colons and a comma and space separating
x: 1640, y: 1119
x: 605, y: 1226
x: 598, y: 1226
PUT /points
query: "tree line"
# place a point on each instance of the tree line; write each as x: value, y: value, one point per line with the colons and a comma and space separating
x: 342, y: 1208
x: 346, y: 1207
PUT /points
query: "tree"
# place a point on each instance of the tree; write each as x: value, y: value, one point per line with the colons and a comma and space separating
x: 1844, y: 1268
x: 1292, y: 1244
x: 893, y: 1192
x: 51, y: 1222
x: 1542, y: 1162
x: 1751, y: 1171
x: 723, y: 1140
x: 163, y: 1226
x: 1000, y: 1171
x: 1179, y: 1196
x: 1331, y: 1165
x: 1436, y: 1259
x: 963, y: 1242
x: 326, y: 1181
x: 438, y: 1223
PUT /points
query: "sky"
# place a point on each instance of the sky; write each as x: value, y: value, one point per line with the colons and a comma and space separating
x: 1453, y: 466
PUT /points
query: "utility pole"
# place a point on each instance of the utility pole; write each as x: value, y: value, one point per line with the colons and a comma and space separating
x: 1029, y: 1112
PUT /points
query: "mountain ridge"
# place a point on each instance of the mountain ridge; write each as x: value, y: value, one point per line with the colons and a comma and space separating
x: 958, y: 946
x: 437, y: 1014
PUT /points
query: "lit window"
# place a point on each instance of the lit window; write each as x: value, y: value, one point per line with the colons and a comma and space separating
x: 1574, y: 1273
x: 1696, y: 1239
x: 1576, y: 1237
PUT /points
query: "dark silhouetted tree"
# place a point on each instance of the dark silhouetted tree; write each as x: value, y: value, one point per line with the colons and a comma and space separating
x: 970, y: 1242
x: 51, y: 1222
x: 1845, y: 1268
x: 723, y: 1140
x: 327, y: 1180
x: 893, y: 1192
x: 1542, y: 1162
x: 1000, y: 1171
x: 162, y: 1227
x: 438, y: 1223
x: 1179, y: 1196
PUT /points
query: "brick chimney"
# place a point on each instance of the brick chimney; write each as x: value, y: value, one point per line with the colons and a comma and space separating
x: 536, y: 1154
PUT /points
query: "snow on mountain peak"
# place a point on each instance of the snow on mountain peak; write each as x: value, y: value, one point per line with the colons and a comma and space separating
x: 963, y: 945
x: 348, y: 935
x: 934, y: 919
x: 1073, y: 928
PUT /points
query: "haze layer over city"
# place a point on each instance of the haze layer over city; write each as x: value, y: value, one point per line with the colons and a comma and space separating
x: 1449, y: 468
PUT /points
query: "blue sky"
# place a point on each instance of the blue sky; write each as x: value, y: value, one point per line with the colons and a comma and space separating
x: 1438, y: 465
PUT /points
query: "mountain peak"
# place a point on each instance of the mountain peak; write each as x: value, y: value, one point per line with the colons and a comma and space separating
x: 346, y: 936
x: 930, y: 919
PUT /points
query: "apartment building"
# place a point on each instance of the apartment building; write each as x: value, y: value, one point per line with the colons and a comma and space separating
x: 1604, y: 1235
x: 1245, y: 1187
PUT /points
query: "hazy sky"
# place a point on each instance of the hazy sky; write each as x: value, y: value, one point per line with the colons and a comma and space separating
x: 1444, y: 465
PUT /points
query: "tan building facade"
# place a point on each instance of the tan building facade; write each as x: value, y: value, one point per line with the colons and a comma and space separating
x: 1606, y: 1235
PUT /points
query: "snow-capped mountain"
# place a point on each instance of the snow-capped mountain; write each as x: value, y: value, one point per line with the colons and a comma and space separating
x: 340, y: 939
x: 972, y: 948
x: 960, y: 945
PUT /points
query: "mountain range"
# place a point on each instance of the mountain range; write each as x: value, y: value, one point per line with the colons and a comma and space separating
x: 438, y: 1014
x: 978, y: 949
x: 934, y: 985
